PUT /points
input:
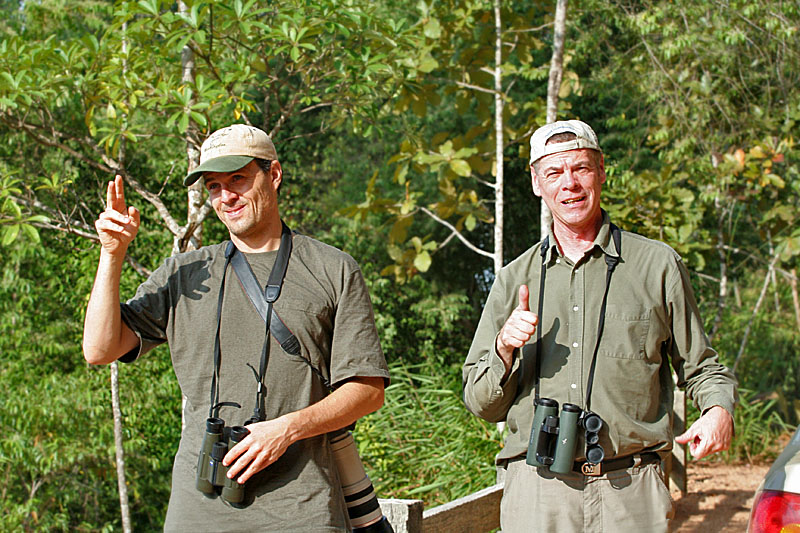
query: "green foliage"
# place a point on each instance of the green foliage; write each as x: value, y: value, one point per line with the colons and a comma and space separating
x: 380, y: 111
x: 57, y: 448
x: 445, y: 163
x: 423, y: 444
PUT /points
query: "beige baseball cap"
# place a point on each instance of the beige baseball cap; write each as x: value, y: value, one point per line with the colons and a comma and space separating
x: 230, y: 149
x: 585, y: 137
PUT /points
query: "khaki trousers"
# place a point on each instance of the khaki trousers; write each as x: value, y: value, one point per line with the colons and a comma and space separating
x: 630, y: 500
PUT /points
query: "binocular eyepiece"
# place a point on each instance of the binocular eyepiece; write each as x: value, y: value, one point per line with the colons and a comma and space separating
x: 554, y: 436
x: 212, y: 475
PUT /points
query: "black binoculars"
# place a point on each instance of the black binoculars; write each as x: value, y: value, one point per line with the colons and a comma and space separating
x: 554, y: 436
x: 212, y: 475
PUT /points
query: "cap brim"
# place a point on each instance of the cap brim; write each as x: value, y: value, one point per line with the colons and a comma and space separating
x: 226, y: 163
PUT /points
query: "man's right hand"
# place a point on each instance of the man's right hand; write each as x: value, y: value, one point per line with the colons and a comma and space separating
x: 118, y: 224
x: 517, y: 330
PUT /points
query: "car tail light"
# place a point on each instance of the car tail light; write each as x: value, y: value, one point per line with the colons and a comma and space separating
x: 775, y: 511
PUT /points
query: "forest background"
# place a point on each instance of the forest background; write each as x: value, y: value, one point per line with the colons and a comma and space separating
x: 385, y: 115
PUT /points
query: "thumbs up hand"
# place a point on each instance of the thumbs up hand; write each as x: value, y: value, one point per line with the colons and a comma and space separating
x: 517, y: 330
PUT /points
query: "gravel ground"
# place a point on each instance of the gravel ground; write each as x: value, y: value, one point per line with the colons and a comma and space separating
x: 719, y: 499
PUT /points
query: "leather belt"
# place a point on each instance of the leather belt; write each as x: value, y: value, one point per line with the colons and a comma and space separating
x: 618, y: 463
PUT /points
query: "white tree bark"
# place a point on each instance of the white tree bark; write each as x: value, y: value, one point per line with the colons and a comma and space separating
x: 553, y: 86
x: 795, y: 297
x: 498, y: 128
x: 193, y: 237
x: 753, y: 315
x: 120, y: 452
x: 115, y: 403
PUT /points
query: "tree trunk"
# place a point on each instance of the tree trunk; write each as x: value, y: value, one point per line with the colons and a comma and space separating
x: 115, y: 403
x: 498, y: 128
x: 120, y: 453
x: 192, y: 138
x: 795, y: 298
x: 723, y: 270
x: 553, y: 86
x: 774, y: 279
x: 764, y: 287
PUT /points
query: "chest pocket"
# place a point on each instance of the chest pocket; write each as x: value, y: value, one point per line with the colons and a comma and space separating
x: 625, y: 333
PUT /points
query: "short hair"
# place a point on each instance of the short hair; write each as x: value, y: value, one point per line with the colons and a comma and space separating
x: 265, y: 165
x: 563, y: 138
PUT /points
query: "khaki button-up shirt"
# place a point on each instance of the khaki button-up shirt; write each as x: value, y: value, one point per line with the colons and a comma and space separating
x: 651, y: 318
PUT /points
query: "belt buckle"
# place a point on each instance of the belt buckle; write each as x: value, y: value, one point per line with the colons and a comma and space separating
x: 591, y: 469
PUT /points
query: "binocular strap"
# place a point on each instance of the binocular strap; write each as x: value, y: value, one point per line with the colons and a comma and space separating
x: 611, y: 263
x: 263, y: 304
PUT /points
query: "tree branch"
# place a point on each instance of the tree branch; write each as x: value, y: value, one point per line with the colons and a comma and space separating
x: 456, y: 233
x: 760, y: 300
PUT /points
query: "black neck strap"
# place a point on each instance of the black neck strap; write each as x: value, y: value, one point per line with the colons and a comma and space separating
x: 271, y: 294
x: 611, y: 263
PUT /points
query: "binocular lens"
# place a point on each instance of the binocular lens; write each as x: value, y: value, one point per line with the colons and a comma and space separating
x: 595, y: 454
x: 592, y: 423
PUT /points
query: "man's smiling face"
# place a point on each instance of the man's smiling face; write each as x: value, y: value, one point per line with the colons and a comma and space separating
x: 245, y: 200
x: 570, y: 184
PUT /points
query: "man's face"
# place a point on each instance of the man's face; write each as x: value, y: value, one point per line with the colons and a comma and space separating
x: 570, y: 184
x: 245, y: 200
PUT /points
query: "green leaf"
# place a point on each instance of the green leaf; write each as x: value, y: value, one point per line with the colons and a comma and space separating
x: 9, y: 234
x: 422, y: 261
x: 151, y: 6
x: 31, y: 232
x: 460, y: 167
x: 183, y: 123
x: 427, y: 64
x: 470, y: 222
x: 432, y: 29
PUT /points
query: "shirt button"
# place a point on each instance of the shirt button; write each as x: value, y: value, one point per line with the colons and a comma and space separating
x: 574, y: 386
x: 558, y: 261
x: 575, y: 308
x: 574, y: 344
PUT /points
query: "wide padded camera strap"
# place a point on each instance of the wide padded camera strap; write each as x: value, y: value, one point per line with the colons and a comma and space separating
x: 611, y: 263
x: 277, y: 326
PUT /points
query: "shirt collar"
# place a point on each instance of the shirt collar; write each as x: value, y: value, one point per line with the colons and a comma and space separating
x: 602, y: 241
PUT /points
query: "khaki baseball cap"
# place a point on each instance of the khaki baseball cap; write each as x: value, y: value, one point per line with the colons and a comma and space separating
x: 585, y: 137
x: 230, y: 149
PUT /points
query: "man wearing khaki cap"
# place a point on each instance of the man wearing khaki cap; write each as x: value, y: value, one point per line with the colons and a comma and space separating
x: 254, y: 452
x: 573, y: 352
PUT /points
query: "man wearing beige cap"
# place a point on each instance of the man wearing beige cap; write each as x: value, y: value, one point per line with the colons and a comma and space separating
x: 255, y: 354
x: 573, y: 352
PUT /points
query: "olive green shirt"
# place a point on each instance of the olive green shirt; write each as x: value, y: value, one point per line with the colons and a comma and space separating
x: 651, y: 319
x: 325, y: 303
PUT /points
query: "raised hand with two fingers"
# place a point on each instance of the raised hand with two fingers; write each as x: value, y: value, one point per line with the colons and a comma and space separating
x: 118, y: 224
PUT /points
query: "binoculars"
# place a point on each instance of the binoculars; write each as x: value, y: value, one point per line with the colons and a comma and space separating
x: 554, y: 436
x: 212, y: 475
